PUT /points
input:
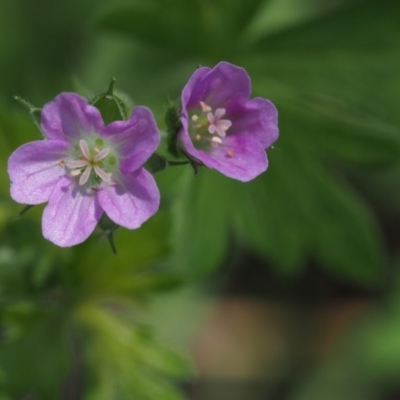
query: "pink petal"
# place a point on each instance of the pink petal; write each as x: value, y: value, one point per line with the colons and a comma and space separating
x: 71, y: 214
x: 210, y: 118
x: 136, y: 139
x: 68, y: 116
x: 133, y: 200
x: 35, y: 168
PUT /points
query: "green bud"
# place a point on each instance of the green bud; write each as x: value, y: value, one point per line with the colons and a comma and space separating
x: 111, y: 107
x: 156, y: 163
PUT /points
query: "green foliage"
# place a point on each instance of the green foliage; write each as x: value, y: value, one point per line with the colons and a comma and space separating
x: 316, y: 74
x: 126, y: 361
x: 36, y: 354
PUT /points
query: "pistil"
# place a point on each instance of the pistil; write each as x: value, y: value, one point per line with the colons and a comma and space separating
x: 90, y: 162
x: 208, y: 126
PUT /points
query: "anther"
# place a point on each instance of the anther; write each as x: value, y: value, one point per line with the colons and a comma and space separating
x: 75, y: 172
x: 215, y: 141
x: 204, y: 107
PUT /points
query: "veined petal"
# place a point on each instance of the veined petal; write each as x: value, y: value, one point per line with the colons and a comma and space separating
x: 224, y: 86
x: 258, y: 118
x: 68, y: 116
x: 35, y: 168
x: 71, y: 214
x: 239, y: 157
x: 135, y: 139
x: 189, y: 101
x: 133, y: 200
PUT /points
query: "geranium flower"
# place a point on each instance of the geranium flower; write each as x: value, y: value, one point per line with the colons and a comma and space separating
x: 84, y: 168
x: 221, y: 127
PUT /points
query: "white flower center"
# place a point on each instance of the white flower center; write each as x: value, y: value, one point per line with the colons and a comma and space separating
x: 88, y: 162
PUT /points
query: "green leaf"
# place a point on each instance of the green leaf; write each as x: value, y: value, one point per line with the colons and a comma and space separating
x: 201, y: 218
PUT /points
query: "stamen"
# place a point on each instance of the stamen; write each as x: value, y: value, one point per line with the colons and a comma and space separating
x: 62, y: 163
x: 230, y: 153
x: 75, y: 172
x: 217, y: 124
x: 197, y: 137
x: 85, y: 149
x: 96, y: 149
x: 215, y: 141
x: 103, y: 153
x: 102, y: 174
x: 195, y: 117
x: 219, y: 113
x: 222, y: 127
x: 204, y: 107
x: 212, y: 128
x: 77, y: 163
x: 85, y: 176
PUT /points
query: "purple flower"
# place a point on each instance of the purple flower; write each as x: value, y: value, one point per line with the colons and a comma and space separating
x: 221, y: 127
x: 84, y: 168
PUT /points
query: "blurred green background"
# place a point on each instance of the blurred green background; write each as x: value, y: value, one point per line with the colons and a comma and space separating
x: 286, y: 287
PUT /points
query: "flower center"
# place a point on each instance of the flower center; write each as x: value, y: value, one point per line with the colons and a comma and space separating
x: 91, y: 160
x: 208, y: 128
